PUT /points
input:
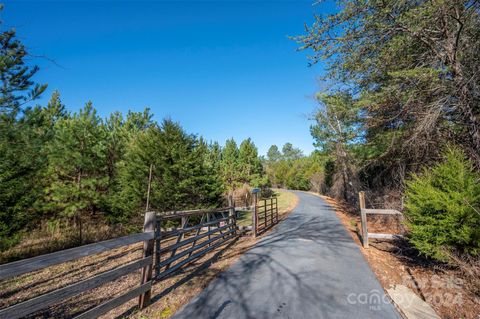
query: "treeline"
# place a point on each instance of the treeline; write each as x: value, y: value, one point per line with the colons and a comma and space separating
x: 58, y: 165
x: 77, y: 167
x: 290, y: 168
x: 401, y: 117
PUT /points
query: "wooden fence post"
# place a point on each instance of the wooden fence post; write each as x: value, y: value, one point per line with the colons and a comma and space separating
x: 363, y: 216
x: 276, y: 209
x: 147, y: 206
x: 158, y: 239
x: 208, y: 227
x: 254, y: 215
x: 232, y: 213
x: 148, y: 226
x: 271, y: 210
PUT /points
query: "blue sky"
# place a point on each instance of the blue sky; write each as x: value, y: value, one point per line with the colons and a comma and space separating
x: 221, y: 68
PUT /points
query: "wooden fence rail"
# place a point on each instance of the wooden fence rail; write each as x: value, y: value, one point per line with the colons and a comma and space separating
x: 200, y: 232
x: 164, y: 252
x: 363, y: 215
x: 56, y: 296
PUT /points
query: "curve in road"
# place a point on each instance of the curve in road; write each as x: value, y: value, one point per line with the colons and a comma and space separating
x: 307, y: 267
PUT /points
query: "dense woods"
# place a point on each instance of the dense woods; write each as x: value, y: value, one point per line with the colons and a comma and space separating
x: 403, y: 95
x: 400, y: 119
x: 290, y: 168
x: 60, y: 170
x: 68, y: 167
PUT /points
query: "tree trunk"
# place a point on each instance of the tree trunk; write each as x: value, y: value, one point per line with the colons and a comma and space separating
x: 78, y: 217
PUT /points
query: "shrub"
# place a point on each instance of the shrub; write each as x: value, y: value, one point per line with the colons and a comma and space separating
x: 443, y: 208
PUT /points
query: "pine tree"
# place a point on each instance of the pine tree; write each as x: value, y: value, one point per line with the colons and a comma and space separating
x: 17, y: 86
x: 414, y: 67
x: 230, y: 165
x: 290, y: 152
x: 338, y: 127
x: 77, y: 167
x: 273, y: 154
x: 23, y: 166
x: 20, y: 143
x: 119, y: 133
x: 214, y: 157
x: 249, y: 165
x: 181, y: 178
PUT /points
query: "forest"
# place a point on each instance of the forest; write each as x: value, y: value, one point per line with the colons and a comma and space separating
x: 64, y: 170
x: 67, y: 175
x: 400, y: 119
x: 401, y: 116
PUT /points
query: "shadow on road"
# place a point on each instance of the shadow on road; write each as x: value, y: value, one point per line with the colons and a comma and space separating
x: 306, y: 267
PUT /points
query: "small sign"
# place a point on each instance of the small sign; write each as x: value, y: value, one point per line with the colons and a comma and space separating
x: 255, y: 190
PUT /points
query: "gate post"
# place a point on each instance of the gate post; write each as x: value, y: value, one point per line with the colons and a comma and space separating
x: 148, y: 226
x: 232, y: 214
x: 158, y: 239
x: 276, y: 209
x: 363, y: 217
x: 255, y: 192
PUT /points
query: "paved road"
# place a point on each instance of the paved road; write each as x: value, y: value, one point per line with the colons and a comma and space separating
x: 308, y: 267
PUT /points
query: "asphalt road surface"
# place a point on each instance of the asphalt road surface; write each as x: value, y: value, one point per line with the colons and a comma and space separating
x: 307, y: 267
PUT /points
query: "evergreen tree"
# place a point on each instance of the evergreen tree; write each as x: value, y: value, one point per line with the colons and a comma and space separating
x: 303, y: 173
x: 20, y: 143
x: 181, y: 178
x: 116, y: 140
x: 23, y: 165
x: 17, y: 86
x: 315, y: 172
x: 77, y: 168
x: 249, y: 165
x: 273, y: 154
x: 119, y: 133
x: 337, y: 128
x: 214, y: 157
x: 443, y: 208
x: 229, y: 166
x: 290, y: 152
x: 414, y: 67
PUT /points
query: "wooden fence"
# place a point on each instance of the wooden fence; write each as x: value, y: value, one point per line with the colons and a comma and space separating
x: 30, y: 306
x: 265, y: 214
x: 200, y: 232
x: 363, y: 214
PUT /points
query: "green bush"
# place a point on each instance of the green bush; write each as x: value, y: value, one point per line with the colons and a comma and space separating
x: 443, y: 208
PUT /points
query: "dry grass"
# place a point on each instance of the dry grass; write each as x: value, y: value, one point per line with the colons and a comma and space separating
x: 287, y: 201
x: 470, y: 269
x: 51, y: 237
x: 169, y: 295
x: 445, y: 288
x: 24, y: 287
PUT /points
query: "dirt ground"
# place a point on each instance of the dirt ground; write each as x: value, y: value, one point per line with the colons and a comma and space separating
x: 167, y: 295
x: 396, y: 262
